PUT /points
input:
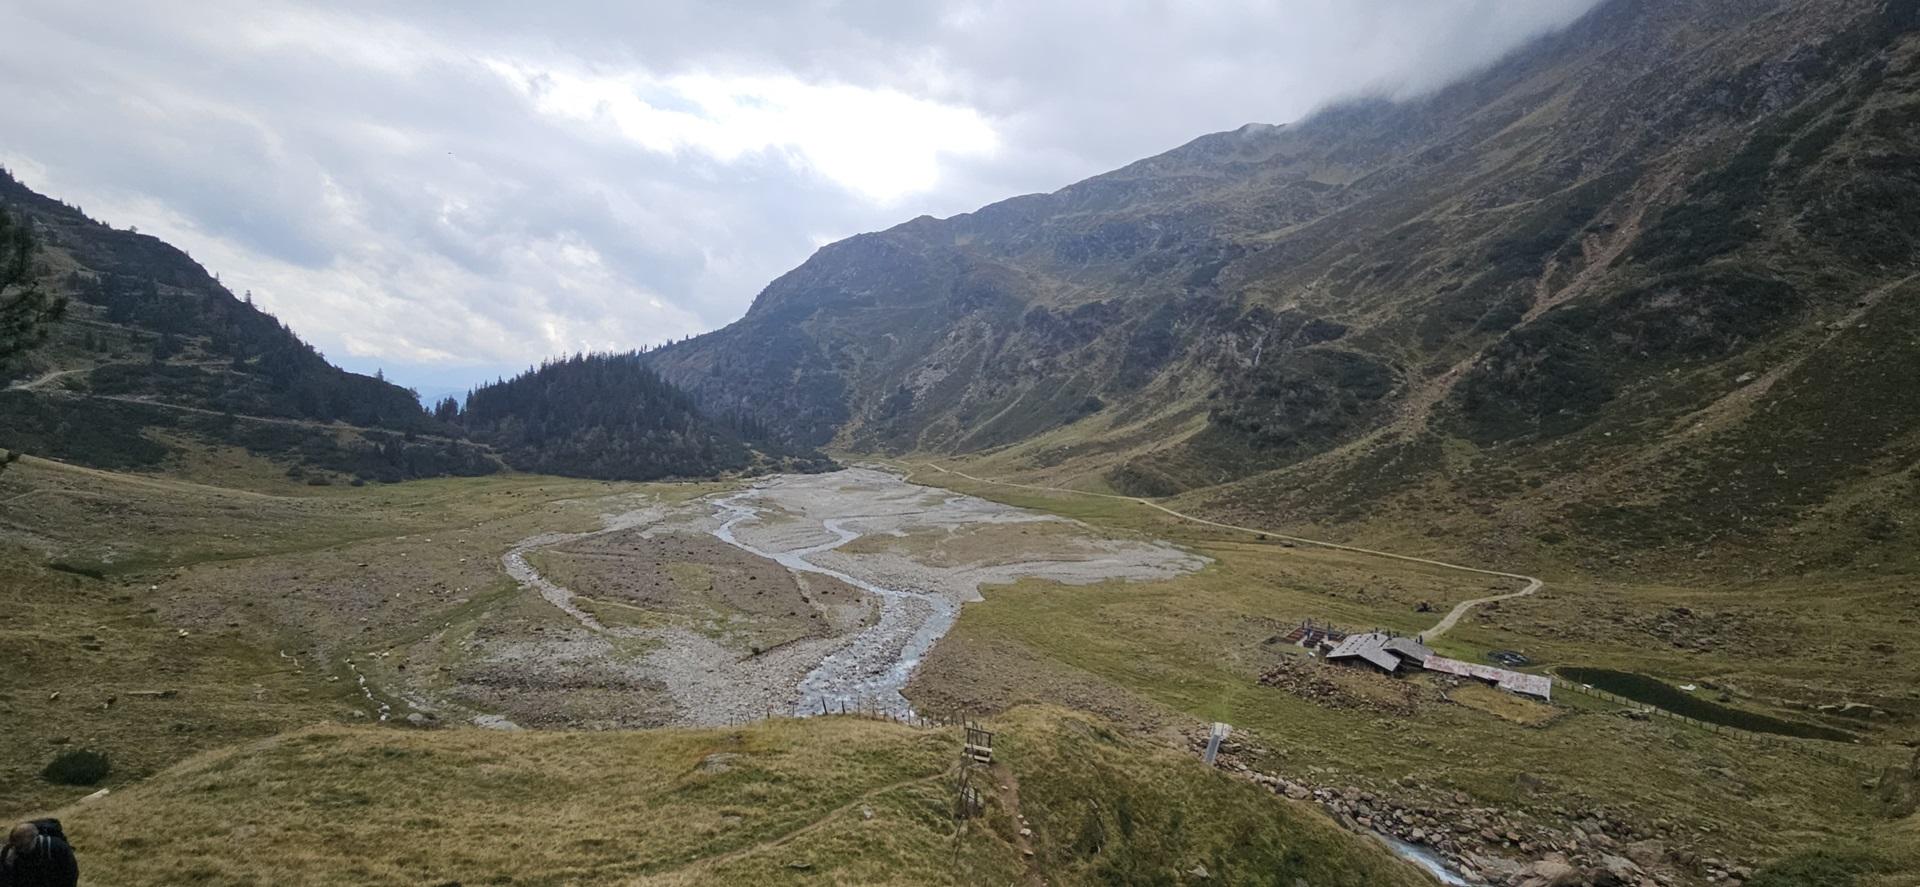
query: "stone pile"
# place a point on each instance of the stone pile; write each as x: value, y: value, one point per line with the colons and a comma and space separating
x: 1321, y: 683
x: 1509, y: 848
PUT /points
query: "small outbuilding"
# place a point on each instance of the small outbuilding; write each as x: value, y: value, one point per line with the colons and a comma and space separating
x: 1536, y: 686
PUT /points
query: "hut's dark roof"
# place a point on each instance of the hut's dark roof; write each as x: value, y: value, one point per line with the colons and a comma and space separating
x: 1371, y: 646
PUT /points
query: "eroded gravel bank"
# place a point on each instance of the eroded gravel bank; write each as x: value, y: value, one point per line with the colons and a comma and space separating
x: 921, y: 554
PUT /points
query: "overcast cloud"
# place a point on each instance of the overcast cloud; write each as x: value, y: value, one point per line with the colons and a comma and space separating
x: 454, y: 191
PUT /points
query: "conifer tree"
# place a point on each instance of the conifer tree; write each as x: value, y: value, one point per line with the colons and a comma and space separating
x: 26, y: 310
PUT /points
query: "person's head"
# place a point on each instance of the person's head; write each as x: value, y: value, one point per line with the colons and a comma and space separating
x: 23, y: 836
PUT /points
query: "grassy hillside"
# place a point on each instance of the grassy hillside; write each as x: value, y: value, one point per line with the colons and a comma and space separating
x: 158, y: 617
x: 161, y: 618
x: 289, y: 595
x: 828, y: 800
x: 1168, y: 655
x: 1587, y: 295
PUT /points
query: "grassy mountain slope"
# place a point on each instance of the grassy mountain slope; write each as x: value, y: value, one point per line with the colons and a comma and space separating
x: 1604, y: 267
x: 834, y: 800
x: 156, y: 362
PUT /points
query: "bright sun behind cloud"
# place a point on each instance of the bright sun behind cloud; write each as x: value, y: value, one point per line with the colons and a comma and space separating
x: 879, y: 143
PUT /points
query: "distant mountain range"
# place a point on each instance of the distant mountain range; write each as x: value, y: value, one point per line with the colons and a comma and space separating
x: 1642, y: 289
x: 157, y: 366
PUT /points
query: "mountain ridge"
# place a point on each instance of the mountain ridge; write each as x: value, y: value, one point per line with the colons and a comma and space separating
x: 1592, y: 230
x: 157, y: 366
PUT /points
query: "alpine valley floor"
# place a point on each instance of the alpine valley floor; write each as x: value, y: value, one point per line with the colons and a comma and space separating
x: 184, y: 629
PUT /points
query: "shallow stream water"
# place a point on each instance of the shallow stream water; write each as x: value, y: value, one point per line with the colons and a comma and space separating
x: 1425, y: 859
x: 872, y: 669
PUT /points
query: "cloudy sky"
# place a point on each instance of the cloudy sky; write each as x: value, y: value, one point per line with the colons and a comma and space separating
x: 452, y: 191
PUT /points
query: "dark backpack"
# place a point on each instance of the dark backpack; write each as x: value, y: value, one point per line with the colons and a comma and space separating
x: 48, y: 863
